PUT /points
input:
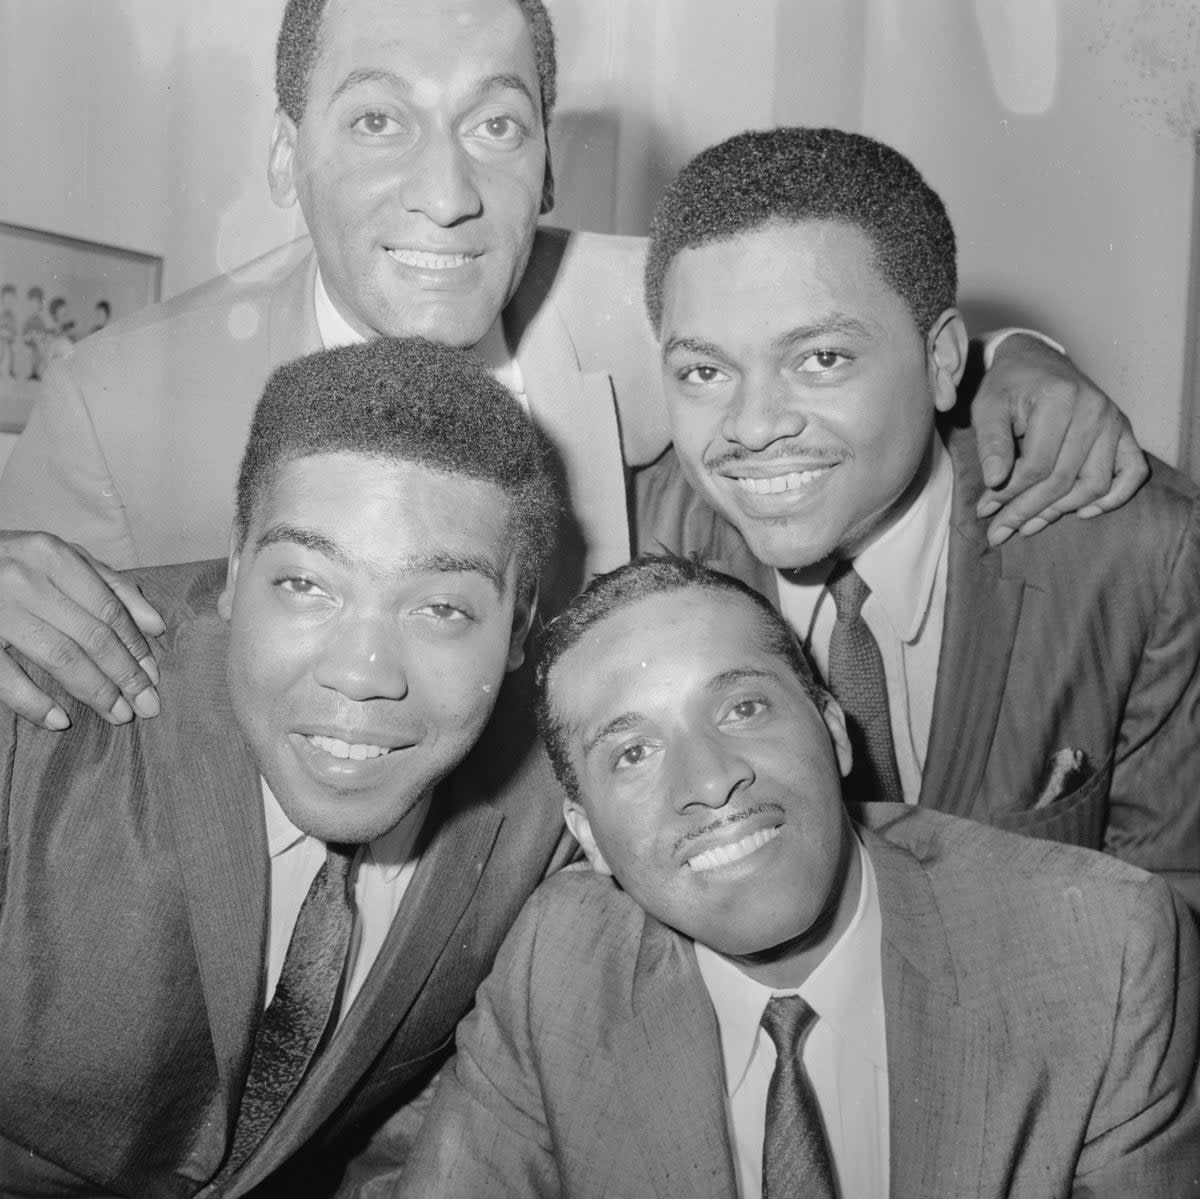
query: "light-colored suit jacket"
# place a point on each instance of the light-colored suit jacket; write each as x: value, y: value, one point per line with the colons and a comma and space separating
x: 133, y: 921
x: 1085, y: 637
x: 1041, y: 1007
x: 133, y: 448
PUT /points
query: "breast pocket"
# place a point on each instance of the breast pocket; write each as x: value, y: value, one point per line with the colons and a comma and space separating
x: 1078, y: 817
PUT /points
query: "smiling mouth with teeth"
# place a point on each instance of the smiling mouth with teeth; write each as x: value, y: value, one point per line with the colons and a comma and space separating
x: 775, y: 484
x: 344, y: 749
x: 725, y: 855
x: 428, y: 260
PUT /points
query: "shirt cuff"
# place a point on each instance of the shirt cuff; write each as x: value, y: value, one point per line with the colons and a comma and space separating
x: 991, y: 343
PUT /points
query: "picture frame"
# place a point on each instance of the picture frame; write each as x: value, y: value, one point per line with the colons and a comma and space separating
x: 87, y: 284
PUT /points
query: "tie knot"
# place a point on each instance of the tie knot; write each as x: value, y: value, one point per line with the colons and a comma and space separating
x: 339, y: 859
x: 849, y: 591
x: 785, y: 1020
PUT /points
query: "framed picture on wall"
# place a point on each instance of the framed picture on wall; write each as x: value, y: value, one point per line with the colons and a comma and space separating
x: 55, y: 291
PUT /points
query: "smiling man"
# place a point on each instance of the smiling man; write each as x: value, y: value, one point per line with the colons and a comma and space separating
x: 752, y: 995
x: 251, y: 925
x: 413, y: 136
x: 803, y: 286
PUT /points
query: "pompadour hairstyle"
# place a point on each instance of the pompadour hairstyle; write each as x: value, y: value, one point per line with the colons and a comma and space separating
x: 607, y: 594
x: 406, y: 400
x: 797, y: 174
x: 300, y: 40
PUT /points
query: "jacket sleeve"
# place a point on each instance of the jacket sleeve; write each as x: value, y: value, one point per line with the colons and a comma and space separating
x: 487, y: 1131
x: 1154, y: 804
x: 1143, y: 1136
x: 57, y: 479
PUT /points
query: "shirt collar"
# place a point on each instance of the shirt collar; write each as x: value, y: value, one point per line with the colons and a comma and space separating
x: 845, y: 990
x: 900, y: 566
x: 388, y: 853
x: 336, y: 331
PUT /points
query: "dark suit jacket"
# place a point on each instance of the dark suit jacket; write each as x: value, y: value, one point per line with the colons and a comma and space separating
x: 133, y: 447
x: 1086, y: 636
x: 133, y: 921
x: 1041, y: 1004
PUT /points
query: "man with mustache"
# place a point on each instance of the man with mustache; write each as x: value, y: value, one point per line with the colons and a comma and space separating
x: 412, y: 134
x: 752, y: 993
x: 802, y: 285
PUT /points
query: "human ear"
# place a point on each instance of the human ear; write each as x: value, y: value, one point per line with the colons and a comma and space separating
x: 946, y: 348
x: 581, y: 830
x: 225, y: 599
x: 835, y: 722
x: 281, y: 162
x: 523, y: 613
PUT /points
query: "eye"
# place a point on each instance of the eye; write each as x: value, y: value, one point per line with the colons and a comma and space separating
x: 633, y: 755
x: 376, y: 124
x: 502, y: 128
x: 703, y: 375
x: 297, y: 588
x: 745, y: 709
x: 822, y: 360
x: 445, y: 612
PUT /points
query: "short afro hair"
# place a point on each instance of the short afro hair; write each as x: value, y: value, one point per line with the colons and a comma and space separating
x: 788, y: 175
x: 406, y: 400
x: 607, y: 594
x: 299, y: 42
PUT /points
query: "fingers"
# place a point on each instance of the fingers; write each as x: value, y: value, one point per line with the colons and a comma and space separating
x: 58, y: 611
x: 997, y: 445
x: 20, y: 694
x: 1130, y: 471
x: 144, y: 616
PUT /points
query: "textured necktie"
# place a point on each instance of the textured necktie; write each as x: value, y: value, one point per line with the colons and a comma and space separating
x: 796, y: 1159
x: 858, y: 683
x: 295, y: 1021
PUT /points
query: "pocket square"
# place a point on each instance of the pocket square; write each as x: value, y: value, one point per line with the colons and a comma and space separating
x: 1066, y: 771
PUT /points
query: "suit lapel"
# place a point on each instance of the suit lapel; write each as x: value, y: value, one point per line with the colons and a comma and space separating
x: 198, y: 766
x: 668, y: 1061
x: 983, y: 609
x: 578, y: 413
x: 453, y: 858
x: 938, y: 1049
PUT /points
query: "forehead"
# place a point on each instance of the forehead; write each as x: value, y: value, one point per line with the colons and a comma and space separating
x: 659, y: 650
x: 384, y: 509
x: 781, y: 267
x: 450, y: 41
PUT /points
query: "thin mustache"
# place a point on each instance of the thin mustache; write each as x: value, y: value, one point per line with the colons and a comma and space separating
x: 732, y: 457
x: 714, y: 826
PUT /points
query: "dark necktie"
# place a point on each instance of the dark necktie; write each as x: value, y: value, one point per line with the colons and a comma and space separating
x: 858, y: 683
x: 796, y: 1158
x: 295, y: 1021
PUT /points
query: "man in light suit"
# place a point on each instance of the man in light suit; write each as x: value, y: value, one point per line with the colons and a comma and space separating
x: 986, y: 1015
x: 413, y: 137
x: 802, y: 283
x: 324, y: 686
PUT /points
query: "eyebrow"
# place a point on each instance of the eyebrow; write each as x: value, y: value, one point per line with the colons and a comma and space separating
x: 499, y: 82
x: 437, y: 562
x: 835, y: 324
x: 719, y: 682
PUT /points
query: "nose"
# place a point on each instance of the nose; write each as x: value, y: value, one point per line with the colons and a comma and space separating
x: 709, y: 771
x: 762, y: 410
x: 364, y: 659
x: 439, y: 181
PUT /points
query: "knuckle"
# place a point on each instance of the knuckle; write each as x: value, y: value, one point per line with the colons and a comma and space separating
x: 95, y: 639
x: 63, y: 656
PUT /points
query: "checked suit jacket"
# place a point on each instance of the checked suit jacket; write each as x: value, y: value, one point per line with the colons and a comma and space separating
x: 1086, y: 637
x: 1041, y: 1006
x: 133, y: 924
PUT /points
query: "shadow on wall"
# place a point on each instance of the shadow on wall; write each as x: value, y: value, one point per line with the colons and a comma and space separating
x: 610, y: 170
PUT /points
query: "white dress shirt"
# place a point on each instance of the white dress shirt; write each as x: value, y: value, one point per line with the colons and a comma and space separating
x: 383, y: 871
x: 905, y: 568
x: 845, y: 1053
x: 336, y: 331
